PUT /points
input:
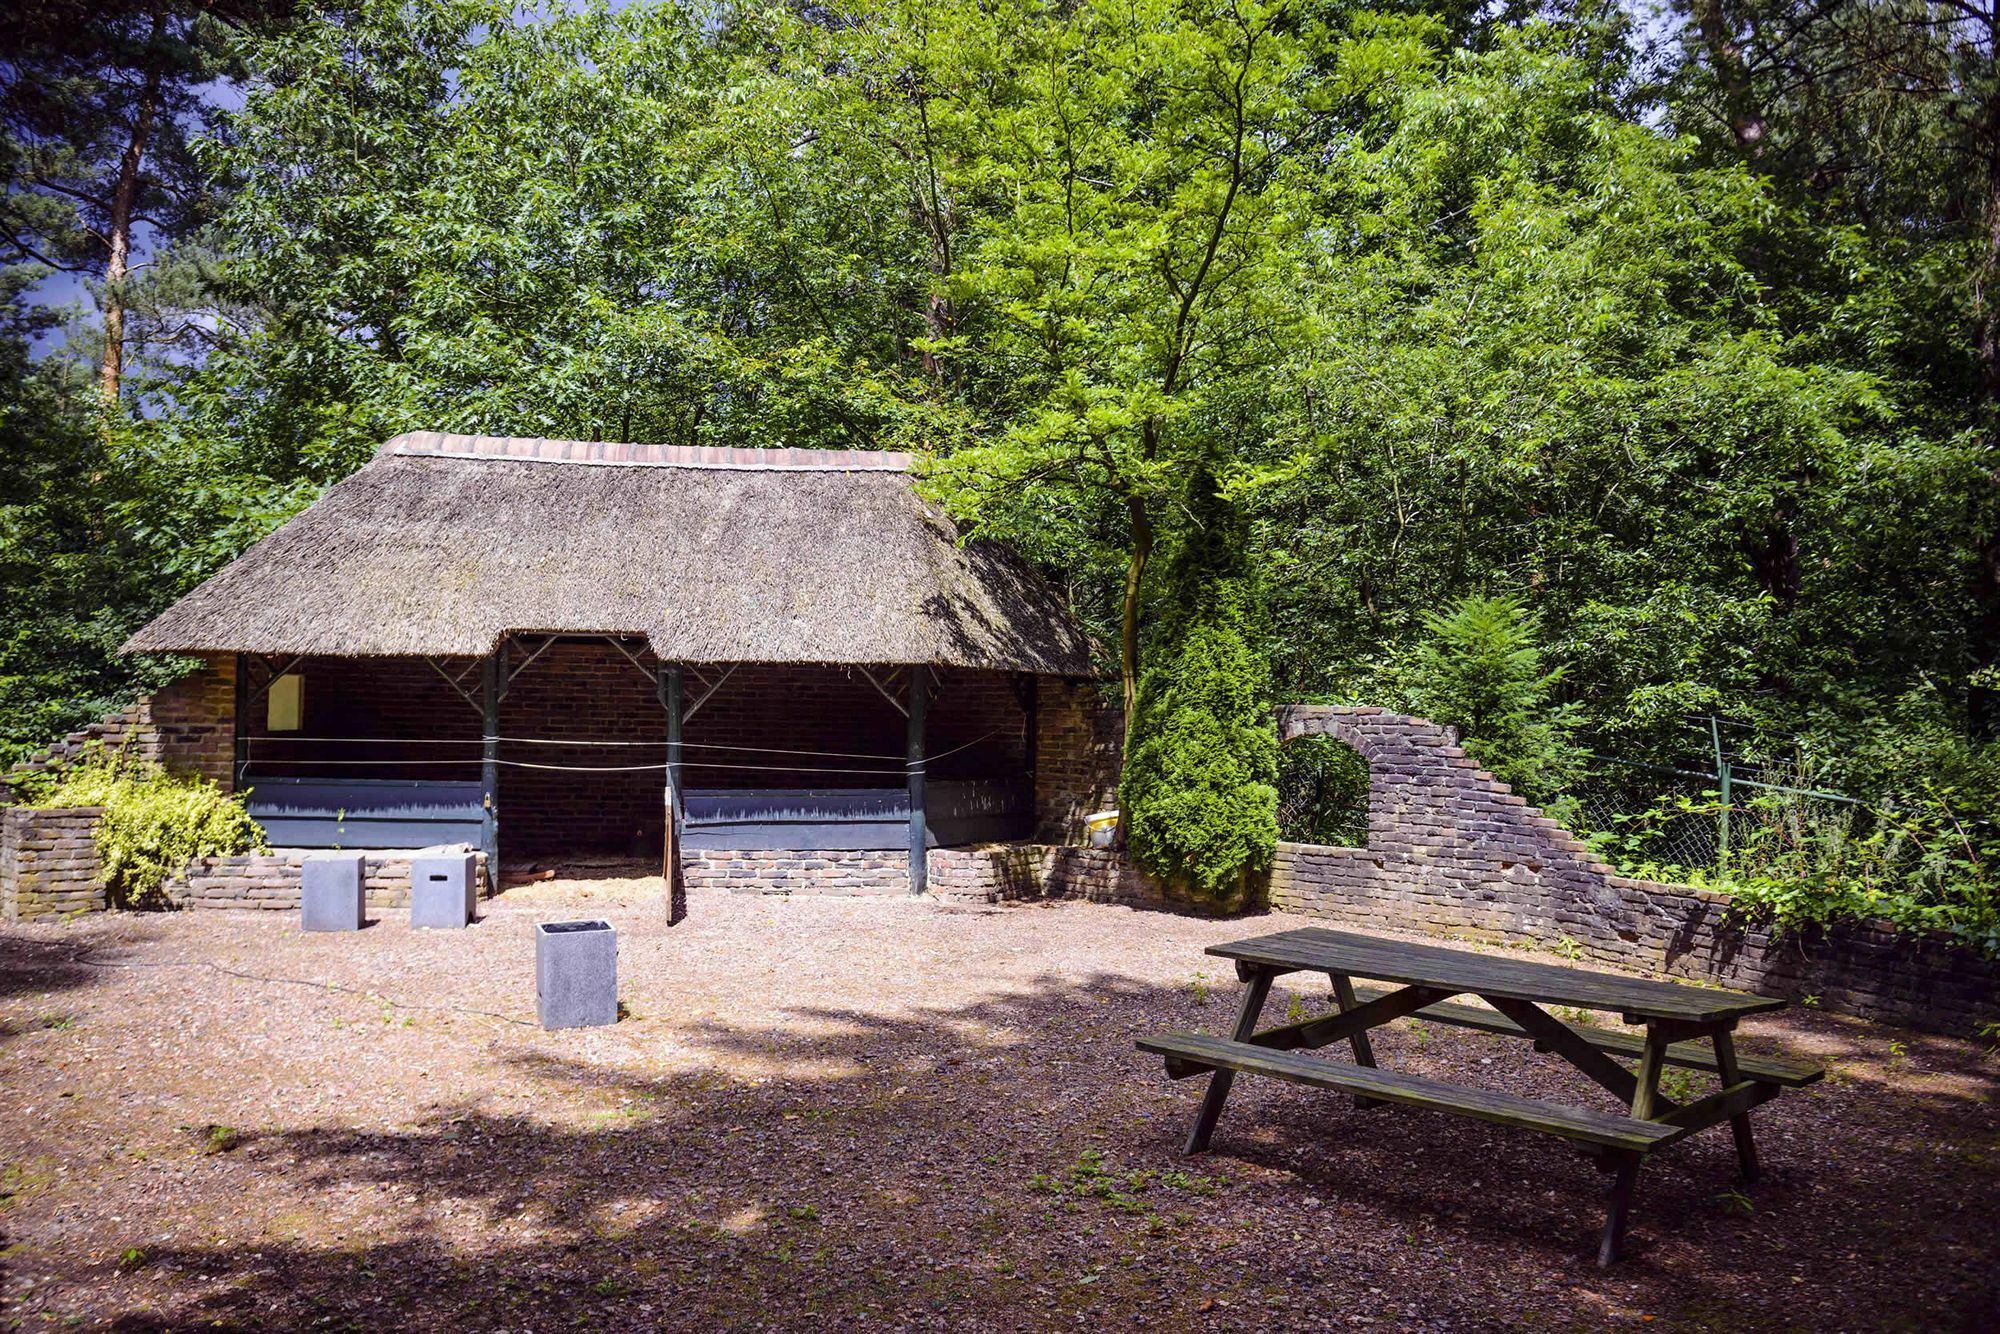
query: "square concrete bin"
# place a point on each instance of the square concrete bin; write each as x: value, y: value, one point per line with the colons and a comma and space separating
x: 332, y: 892
x: 576, y: 974
x: 444, y: 890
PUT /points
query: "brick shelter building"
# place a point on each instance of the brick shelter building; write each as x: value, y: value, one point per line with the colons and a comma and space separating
x: 550, y: 648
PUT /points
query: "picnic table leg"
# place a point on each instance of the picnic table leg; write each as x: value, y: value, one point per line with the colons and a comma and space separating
x: 1364, y: 1050
x: 1739, y: 1124
x: 1254, y: 993
x: 1646, y: 1091
x: 1620, y: 1209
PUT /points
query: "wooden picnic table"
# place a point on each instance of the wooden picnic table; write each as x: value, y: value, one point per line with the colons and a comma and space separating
x: 1690, y: 1027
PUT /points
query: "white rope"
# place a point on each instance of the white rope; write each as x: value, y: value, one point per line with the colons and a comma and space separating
x: 565, y: 741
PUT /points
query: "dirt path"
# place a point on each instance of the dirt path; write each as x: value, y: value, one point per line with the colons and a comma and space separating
x: 880, y: 1113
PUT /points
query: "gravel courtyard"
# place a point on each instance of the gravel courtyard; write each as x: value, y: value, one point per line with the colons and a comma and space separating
x: 883, y: 1113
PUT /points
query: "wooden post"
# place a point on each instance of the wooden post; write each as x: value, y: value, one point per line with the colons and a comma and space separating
x: 240, y: 759
x: 670, y: 862
x: 1739, y: 1125
x: 489, y: 767
x: 1256, y: 987
x: 920, y: 681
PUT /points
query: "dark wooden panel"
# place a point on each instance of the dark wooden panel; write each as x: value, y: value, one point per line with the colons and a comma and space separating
x: 1407, y: 963
x: 364, y: 812
x: 796, y: 836
x: 283, y: 832
x: 1573, y: 1123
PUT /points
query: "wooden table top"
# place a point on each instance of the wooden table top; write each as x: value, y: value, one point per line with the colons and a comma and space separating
x: 1459, y: 971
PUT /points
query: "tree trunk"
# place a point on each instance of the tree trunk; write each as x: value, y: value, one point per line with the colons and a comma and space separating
x: 1128, y: 625
x: 1983, y: 700
x: 1739, y: 104
x: 124, y: 200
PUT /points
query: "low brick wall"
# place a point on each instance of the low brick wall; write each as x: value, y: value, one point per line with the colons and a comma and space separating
x: 1452, y: 851
x: 993, y: 874
x: 1041, y: 871
x: 48, y: 863
x: 271, y: 880
x: 829, y: 872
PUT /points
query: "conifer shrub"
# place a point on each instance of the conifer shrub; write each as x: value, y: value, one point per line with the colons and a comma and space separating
x: 1199, y: 790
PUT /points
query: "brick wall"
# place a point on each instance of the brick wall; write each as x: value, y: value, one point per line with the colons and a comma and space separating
x: 1078, y: 736
x: 1452, y: 850
x: 1041, y: 871
x: 48, y: 863
x: 187, y: 727
x: 837, y: 873
x: 270, y: 880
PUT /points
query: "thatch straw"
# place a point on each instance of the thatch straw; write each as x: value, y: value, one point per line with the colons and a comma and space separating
x: 443, y: 544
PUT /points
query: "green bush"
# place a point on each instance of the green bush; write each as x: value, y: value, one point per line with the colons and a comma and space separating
x: 1481, y: 672
x: 1797, y: 861
x: 1199, y: 791
x: 154, y: 822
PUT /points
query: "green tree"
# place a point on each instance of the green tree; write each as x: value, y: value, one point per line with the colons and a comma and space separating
x: 1199, y: 790
x: 1151, y: 169
x: 101, y: 105
x: 1482, y: 673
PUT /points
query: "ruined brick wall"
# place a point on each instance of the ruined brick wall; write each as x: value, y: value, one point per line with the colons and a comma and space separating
x: 187, y: 727
x: 1041, y: 871
x: 48, y: 863
x: 1451, y: 850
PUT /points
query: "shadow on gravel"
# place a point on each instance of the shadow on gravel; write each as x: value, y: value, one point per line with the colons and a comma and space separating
x: 33, y: 965
x: 1013, y: 1163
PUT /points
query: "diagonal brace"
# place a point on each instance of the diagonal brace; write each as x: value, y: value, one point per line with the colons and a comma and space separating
x: 1333, y: 1027
x: 1552, y: 1034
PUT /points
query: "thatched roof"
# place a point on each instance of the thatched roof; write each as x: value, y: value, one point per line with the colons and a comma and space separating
x: 444, y: 543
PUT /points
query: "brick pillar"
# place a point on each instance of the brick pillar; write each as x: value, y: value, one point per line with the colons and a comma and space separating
x: 1078, y: 738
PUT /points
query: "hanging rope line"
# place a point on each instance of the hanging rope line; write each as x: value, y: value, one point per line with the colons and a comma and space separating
x: 906, y: 766
x: 288, y: 738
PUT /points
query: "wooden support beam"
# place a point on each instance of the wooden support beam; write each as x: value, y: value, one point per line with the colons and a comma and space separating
x: 1739, y: 1123
x: 920, y: 680
x: 1332, y: 1028
x: 241, y: 766
x: 1646, y: 1084
x: 670, y: 686
x: 1622, y: 1189
x: 1551, y: 1034
x: 1731, y: 1104
x: 1364, y: 1050
x: 1255, y: 990
x: 489, y: 762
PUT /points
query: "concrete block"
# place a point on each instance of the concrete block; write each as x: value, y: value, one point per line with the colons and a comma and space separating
x: 576, y: 974
x: 330, y: 896
x: 443, y: 890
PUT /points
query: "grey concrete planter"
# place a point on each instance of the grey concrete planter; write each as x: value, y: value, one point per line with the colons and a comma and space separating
x: 576, y: 974
x: 444, y: 890
x: 333, y: 892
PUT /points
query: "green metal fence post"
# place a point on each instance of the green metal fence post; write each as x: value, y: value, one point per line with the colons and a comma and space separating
x: 1722, y: 784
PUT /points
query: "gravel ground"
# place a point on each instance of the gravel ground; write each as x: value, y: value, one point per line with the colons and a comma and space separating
x: 883, y: 1113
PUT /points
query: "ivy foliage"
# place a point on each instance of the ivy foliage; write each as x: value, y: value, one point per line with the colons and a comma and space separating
x: 1199, y: 790
x: 154, y: 823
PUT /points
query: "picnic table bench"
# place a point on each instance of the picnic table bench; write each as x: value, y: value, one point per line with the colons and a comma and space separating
x: 1689, y: 1027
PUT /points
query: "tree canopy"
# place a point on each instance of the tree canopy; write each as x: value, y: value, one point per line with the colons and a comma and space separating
x: 1686, y: 346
